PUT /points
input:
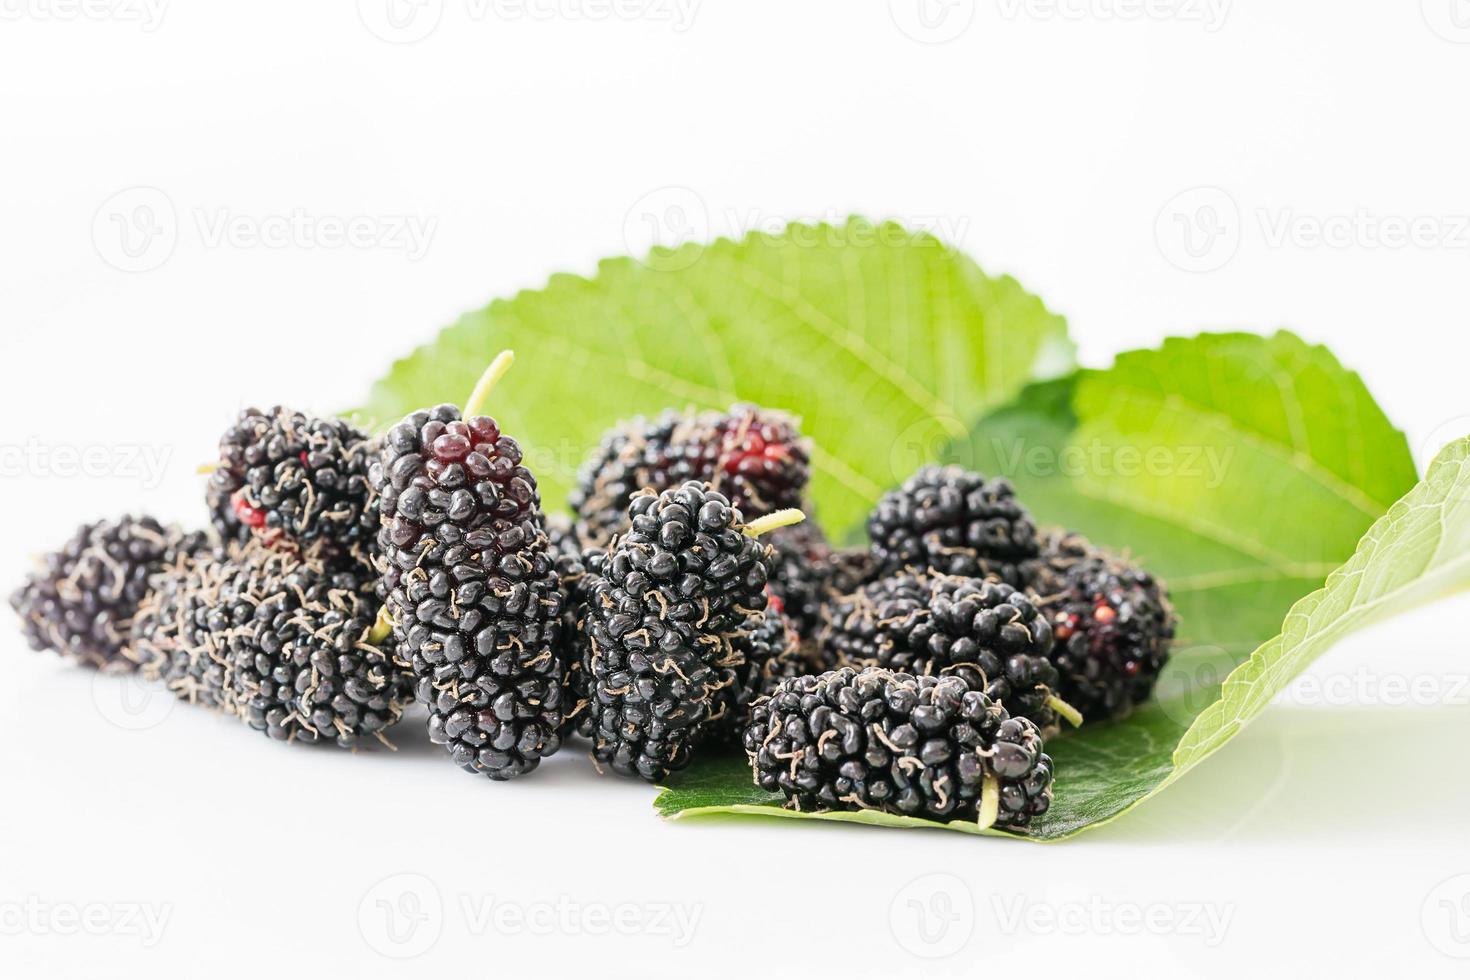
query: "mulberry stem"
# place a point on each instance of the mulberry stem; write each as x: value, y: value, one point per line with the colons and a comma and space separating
x: 780, y: 518
x: 493, y: 373
x: 1065, y: 710
x: 989, y: 802
x: 382, y: 629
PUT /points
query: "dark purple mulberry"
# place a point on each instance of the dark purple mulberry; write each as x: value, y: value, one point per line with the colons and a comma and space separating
x: 669, y: 608
x: 284, y: 644
x: 756, y: 457
x: 298, y: 482
x: 81, y: 600
x: 1112, y: 621
x: 472, y: 589
x: 954, y: 522
x: 809, y: 572
x: 884, y: 740
x: 571, y: 573
x: 947, y: 624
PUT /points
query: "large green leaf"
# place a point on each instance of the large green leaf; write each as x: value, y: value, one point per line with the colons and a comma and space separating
x: 1244, y: 470
x: 885, y: 342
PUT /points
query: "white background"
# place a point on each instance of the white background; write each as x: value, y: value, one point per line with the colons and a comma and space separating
x: 1063, y: 144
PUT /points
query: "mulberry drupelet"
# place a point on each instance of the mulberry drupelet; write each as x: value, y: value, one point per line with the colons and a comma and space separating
x: 81, y: 600
x: 1112, y: 620
x: 885, y: 740
x: 947, y: 624
x: 755, y: 456
x: 953, y: 521
x: 669, y: 607
x: 471, y: 586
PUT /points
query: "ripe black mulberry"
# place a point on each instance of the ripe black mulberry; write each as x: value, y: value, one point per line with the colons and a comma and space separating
x: 947, y: 624
x: 570, y: 563
x: 81, y: 599
x: 772, y: 652
x: 286, y: 645
x: 472, y: 588
x: 755, y: 456
x: 808, y: 573
x: 296, y: 481
x: 668, y: 606
x: 956, y: 522
x: 1112, y: 620
x: 884, y: 740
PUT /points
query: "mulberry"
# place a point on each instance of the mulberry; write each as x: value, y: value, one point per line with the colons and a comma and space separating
x: 1112, y: 620
x: 285, y: 645
x: 946, y: 624
x: 808, y: 572
x: 756, y: 457
x: 81, y: 600
x: 471, y: 586
x: 885, y: 740
x: 955, y: 522
x: 772, y: 652
x: 571, y: 574
x: 669, y: 606
x: 297, y: 481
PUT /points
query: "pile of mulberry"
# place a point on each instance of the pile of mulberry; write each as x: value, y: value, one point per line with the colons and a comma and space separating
x: 81, y: 600
x: 918, y: 746
x: 1112, y: 621
x: 293, y: 480
x: 953, y: 521
x: 933, y: 624
x: 667, y: 609
x: 755, y: 456
x: 283, y: 644
x: 472, y: 589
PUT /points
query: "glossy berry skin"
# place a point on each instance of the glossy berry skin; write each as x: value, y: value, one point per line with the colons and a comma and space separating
x: 1113, y: 625
x: 885, y: 740
x: 296, y: 482
x: 668, y: 607
x: 956, y: 522
x: 280, y: 643
x: 472, y: 589
x: 81, y: 599
x: 756, y: 457
x: 945, y: 624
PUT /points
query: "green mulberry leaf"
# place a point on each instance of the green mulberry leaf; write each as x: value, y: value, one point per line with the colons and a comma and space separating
x: 886, y: 343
